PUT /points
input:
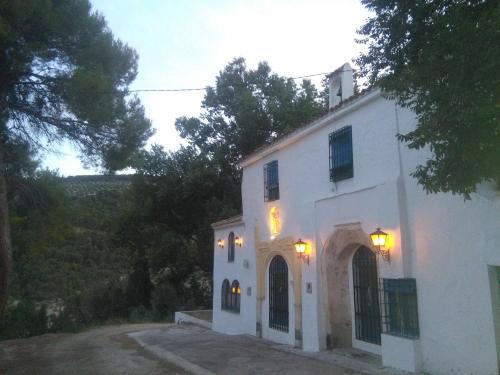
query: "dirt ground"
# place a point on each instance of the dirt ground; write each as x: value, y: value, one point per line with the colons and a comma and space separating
x: 104, y: 350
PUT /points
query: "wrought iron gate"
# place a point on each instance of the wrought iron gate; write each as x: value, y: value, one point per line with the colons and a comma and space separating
x: 366, y: 305
x: 278, y: 294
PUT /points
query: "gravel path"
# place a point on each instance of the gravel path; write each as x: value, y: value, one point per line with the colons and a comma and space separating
x: 104, y: 350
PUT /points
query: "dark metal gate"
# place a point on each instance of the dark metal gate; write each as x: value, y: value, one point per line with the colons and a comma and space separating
x: 366, y: 305
x: 278, y: 294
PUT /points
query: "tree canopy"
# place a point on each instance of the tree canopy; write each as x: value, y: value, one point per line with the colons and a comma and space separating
x: 64, y: 76
x: 441, y: 58
x: 248, y: 108
x: 177, y: 195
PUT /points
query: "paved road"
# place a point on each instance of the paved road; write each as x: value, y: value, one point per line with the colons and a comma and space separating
x: 205, y: 352
x: 167, y: 349
x: 104, y: 350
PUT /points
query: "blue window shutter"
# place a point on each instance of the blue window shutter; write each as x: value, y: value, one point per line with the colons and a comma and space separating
x: 271, y: 181
x: 341, y: 159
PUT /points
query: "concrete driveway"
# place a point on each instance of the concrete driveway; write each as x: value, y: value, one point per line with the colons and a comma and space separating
x: 167, y: 349
x: 204, y: 352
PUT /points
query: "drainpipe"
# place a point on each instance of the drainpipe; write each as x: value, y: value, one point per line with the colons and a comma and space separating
x: 406, y: 243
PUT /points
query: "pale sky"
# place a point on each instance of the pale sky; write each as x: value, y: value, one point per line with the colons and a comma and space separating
x: 184, y: 44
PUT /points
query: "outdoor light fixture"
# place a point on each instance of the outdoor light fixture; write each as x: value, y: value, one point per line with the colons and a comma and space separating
x: 236, y: 290
x: 300, y: 248
x: 238, y: 241
x: 379, y: 240
x: 220, y: 242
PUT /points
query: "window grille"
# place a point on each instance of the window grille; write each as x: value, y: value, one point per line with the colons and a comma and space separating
x: 341, y: 161
x: 230, y: 247
x: 366, y: 302
x: 271, y: 182
x: 278, y: 294
x: 399, y: 307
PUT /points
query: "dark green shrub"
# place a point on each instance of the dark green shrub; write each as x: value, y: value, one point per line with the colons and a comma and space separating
x: 23, y: 319
x: 139, y: 286
x: 164, y: 301
x: 140, y: 314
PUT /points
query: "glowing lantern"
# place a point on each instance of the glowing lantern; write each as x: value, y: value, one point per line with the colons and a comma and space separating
x: 300, y: 248
x: 238, y: 241
x: 379, y: 239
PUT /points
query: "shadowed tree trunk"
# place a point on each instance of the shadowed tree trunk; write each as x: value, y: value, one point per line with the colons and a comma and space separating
x: 4, y: 235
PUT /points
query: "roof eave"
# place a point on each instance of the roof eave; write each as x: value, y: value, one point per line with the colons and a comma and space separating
x: 229, y: 222
x: 310, y: 128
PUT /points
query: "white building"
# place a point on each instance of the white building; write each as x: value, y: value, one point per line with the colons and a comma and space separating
x: 432, y: 306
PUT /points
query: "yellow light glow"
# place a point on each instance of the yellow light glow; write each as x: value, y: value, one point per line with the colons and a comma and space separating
x: 233, y: 290
x: 274, y: 222
x: 220, y: 242
x: 378, y: 238
x: 239, y: 290
x: 300, y: 246
x: 238, y: 241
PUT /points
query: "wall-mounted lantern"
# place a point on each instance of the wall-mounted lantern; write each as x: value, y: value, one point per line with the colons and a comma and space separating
x: 238, y: 241
x: 300, y: 249
x: 379, y: 239
x: 236, y: 290
x: 220, y: 242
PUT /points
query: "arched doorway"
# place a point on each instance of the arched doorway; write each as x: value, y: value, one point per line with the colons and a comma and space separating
x: 365, y: 293
x: 337, y: 291
x: 278, y: 294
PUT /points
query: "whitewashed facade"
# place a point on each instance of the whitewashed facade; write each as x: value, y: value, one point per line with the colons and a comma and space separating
x: 448, y: 246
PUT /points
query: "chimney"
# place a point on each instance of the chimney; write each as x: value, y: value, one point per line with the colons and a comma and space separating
x: 341, y: 85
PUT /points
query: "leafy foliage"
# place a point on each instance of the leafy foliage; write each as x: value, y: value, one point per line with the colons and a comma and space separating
x: 441, y: 59
x: 176, y: 196
x: 23, y: 319
x: 248, y: 108
x: 141, y: 247
x: 63, y: 76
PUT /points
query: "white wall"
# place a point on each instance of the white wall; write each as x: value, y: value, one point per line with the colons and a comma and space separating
x: 227, y: 321
x: 454, y: 241
x: 442, y: 241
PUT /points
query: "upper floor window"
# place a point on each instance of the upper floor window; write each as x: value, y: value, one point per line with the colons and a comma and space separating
x: 230, y: 247
x: 271, y: 182
x: 341, y: 165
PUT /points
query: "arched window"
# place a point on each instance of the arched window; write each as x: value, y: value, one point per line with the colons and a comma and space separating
x: 230, y: 247
x: 235, y: 295
x: 230, y: 296
x: 225, y: 295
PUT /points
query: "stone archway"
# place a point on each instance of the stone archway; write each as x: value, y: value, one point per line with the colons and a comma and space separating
x: 265, y: 252
x: 335, y: 278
